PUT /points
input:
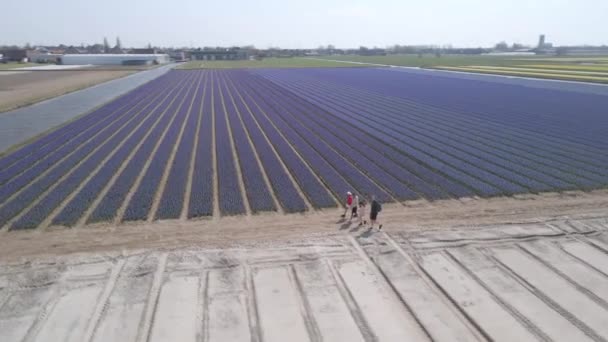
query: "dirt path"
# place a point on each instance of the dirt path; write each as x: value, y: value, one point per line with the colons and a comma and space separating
x: 267, y: 228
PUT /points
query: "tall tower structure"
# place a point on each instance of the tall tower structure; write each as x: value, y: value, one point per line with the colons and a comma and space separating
x: 541, y: 41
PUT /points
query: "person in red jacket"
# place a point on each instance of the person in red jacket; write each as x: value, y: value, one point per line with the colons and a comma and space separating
x: 349, y: 203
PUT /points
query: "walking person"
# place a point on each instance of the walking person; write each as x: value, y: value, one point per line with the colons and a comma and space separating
x: 362, y: 205
x: 349, y: 202
x: 376, y: 208
x: 354, y: 206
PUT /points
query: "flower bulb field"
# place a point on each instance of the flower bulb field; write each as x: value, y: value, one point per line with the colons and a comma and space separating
x: 211, y: 143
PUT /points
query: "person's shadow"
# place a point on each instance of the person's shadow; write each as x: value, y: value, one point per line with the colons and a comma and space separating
x: 345, y: 225
x: 365, y: 234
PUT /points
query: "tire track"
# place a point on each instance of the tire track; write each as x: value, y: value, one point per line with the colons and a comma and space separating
x: 252, y: 306
x: 421, y: 332
x: 454, y: 308
x: 351, y: 303
x: 147, y: 322
x: 548, y: 299
x: 102, y: 303
x: 305, y: 310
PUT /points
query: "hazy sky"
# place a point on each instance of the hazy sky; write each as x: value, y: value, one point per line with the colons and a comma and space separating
x: 303, y: 23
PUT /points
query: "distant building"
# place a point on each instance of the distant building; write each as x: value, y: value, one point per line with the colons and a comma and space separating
x: 74, y: 50
x: 114, y: 59
x: 219, y: 54
x: 178, y: 56
x: 146, y: 51
x: 42, y: 56
x: 14, y: 55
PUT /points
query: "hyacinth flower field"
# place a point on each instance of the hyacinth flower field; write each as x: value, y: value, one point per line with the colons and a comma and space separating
x: 204, y: 143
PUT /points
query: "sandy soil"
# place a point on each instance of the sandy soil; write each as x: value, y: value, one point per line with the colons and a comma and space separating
x: 524, y: 282
x: 268, y: 228
x: 19, y: 89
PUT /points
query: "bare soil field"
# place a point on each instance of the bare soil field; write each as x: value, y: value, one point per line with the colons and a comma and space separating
x: 264, y: 229
x: 21, y: 88
x: 535, y: 281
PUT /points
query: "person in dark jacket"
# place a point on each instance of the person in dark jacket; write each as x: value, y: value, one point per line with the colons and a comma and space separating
x: 375, y: 209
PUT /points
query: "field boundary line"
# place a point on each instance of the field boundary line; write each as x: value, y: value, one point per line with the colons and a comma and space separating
x: 163, y: 181
x: 277, y: 204
x: 430, y: 283
x: 48, y: 220
x: 235, y: 156
x: 85, y: 216
x: 188, y: 192
x: 297, y: 187
x: 102, y: 302
x: 145, y: 327
x: 144, y: 169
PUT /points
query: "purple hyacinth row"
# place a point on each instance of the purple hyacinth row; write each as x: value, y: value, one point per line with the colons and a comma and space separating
x: 110, y: 204
x: 230, y: 199
x: 142, y: 200
x: 312, y: 188
x: 425, y: 132
x: 72, y: 212
x: 172, y: 199
x: 256, y: 190
x: 366, y: 147
x: 201, y: 191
